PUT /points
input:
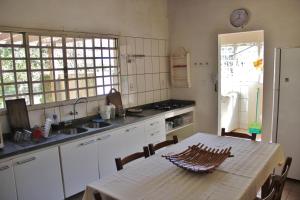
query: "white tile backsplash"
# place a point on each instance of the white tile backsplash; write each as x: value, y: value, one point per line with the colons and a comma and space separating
x: 149, y: 82
x: 139, y: 46
x: 162, y: 48
x: 155, y: 64
x: 124, y: 85
x: 92, y: 108
x: 36, y: 117
x: 163, y: 64
x: 148, y: 65
x: 132, y: 100
x: 123, y: 45
x: 147, y: 47
x: 156, y: 95
x: 163, y: 94
x: 81, y: 109
x: 156, y: 82
x: 132, y: 84
x: 140, y: 65
x: 130, y: 46
x: 131, y: 67
x: 154, y: 47
x: 141, y: 83
x: 149, y: 97
x: 123, y: 65
x: 65, y: 112
x: 141, y: 98
x: 125, y: 101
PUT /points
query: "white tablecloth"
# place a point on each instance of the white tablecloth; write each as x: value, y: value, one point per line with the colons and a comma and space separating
x: 155, y: 178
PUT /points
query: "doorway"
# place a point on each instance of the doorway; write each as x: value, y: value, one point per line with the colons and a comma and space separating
x: 240, y: 75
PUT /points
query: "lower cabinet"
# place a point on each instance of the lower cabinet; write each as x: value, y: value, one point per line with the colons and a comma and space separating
x: 38, y: 176
x: 79, y: 161
x: 118, y: 143
x: 7, y: 186
x: 155, y: 131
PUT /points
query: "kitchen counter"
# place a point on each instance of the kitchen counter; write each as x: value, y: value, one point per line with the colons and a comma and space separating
x: 12, y: 148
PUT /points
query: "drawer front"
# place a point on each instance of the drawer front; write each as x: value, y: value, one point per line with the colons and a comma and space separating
x: 153, y: 125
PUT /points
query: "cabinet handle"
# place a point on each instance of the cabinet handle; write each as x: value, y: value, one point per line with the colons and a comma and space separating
x: 26, y: 161
x: 154, y: 133
x: 4, y: 168
x: 104, y: 137
x: 152, y: 124
x: 87, y: 143
x: 130, y: 129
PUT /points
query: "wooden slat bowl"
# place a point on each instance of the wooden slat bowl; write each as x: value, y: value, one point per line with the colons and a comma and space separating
x: 199, y: 158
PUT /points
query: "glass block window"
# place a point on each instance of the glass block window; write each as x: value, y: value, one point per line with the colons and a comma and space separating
x: 13, y: 67
x: 46, y: 68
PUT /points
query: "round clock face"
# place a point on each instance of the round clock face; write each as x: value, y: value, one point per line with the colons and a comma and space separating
x: 239, y: 17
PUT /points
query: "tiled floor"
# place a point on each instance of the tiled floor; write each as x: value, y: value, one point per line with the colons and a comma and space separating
x: 291, y: 191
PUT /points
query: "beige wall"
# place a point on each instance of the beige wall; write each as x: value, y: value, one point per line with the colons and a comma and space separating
x: 141, y: 18
x: 195, y: 24
x: 143, y: 29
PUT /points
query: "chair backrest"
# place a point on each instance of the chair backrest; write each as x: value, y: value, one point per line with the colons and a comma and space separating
x: 282, y: 178
x: 238, y: 135
x: 121, y: 162
x: 153, y: 148
x: 271, y: 195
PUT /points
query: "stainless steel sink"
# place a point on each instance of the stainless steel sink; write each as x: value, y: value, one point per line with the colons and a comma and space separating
x: 73, y: 130
x: 97, y: 124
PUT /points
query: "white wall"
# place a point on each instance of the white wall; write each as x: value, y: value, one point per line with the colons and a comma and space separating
x: 141, y: 18
x: 195, y: 24
x: 143, y: 29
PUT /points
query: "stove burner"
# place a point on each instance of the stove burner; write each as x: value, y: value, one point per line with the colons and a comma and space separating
x: 166, y: 106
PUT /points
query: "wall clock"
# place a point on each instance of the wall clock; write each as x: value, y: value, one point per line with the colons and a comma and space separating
x: 239, y: 17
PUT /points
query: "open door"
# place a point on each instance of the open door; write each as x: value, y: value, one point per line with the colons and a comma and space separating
x: 240, y: 75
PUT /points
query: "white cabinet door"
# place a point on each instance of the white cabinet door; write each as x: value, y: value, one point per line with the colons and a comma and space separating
x: 7, y: 186
x: 155, y: 130
x: 38, y: 176
x: 79, y: 162
x: 119, y: 143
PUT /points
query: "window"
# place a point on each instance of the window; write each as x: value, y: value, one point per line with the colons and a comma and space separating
x: 50, y: 68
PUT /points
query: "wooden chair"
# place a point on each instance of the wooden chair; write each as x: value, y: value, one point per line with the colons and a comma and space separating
x: 239, y: 135
x: 121, y: 162
x: 281, y: 179
x: 270, y: 196
x: 153, y: 148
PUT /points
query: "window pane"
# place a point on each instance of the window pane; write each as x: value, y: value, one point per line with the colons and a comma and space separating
x: 48, y: 75
x: 100, y: 91
x: 70, y: 42
x: 57, y: 41
x: 46, y: 41
x: 23, y: 88
x: 106, y: 62
x: 97, y: 42
x: 89, y: 63
x: 98, y: 63
x: 112, y: 43
x: 71, y: 74
x: 60, y: 85
x: 26, y: 97
x: 34, y: 52
x: 81, y: 83
x: 37, y: 87
x: 58, y: 53
x: 113, y: 53
x: 9, y: 90
x: 49, y: 86
x: 106, y: 71
x: 34, y: 40
x: 80, y: 63
x: 107, y: 81
x: 60, y: 96
x: 47, y: 64
x: 105, y: 53
x: 5, y: 52
x: 92, y: 92
x: 59, y: 74
x: 113, y: 71
x: 91, y: 82
x: 113, y: 62
x: 46, y: 52
x: 50, y: 97
x: 114, y: 80
x: 79, y: 53
x: 107, y: 89
x: 8, y: 77
x: 98, y: 53
x: 90, y: 73
x: 19, y: 52
x: 18, y: 39
x: 58, y: 64
x: 82, y: 93
x: 38, y: 99
x: 81, y: 73
x: 73, y: 94
x: 89, y: 53
x: 21, y: 76
x: 104, y: 42
x: 88, y: 42
x: 71, y: 63
x: 99, y: 81
x: 7, y: 64
x: 72, y: 84
x: 36, y: 76
x: 5, y: 38
x: 20, y: 64
x: 35, y: 64
x: 99, y: 72
x: 79, y: 42
x: 71, y: 53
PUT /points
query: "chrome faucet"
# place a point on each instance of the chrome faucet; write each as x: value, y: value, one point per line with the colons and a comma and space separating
x: 74, y: 112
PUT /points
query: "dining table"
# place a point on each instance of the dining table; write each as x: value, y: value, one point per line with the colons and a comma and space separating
x: 155, y: 178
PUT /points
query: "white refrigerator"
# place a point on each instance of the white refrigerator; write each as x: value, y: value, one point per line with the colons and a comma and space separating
x: 286, y: 105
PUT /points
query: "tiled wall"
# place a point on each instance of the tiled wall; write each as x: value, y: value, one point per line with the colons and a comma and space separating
x: 143, y: 80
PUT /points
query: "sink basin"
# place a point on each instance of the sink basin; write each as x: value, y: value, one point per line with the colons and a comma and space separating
x: 73, y: 130
x: 97, y: 124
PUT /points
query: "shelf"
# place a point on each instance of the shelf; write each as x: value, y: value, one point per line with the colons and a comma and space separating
x: 179, y: 127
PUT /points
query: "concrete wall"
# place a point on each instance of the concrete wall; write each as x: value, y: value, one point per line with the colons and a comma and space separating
x: 195, y: 25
